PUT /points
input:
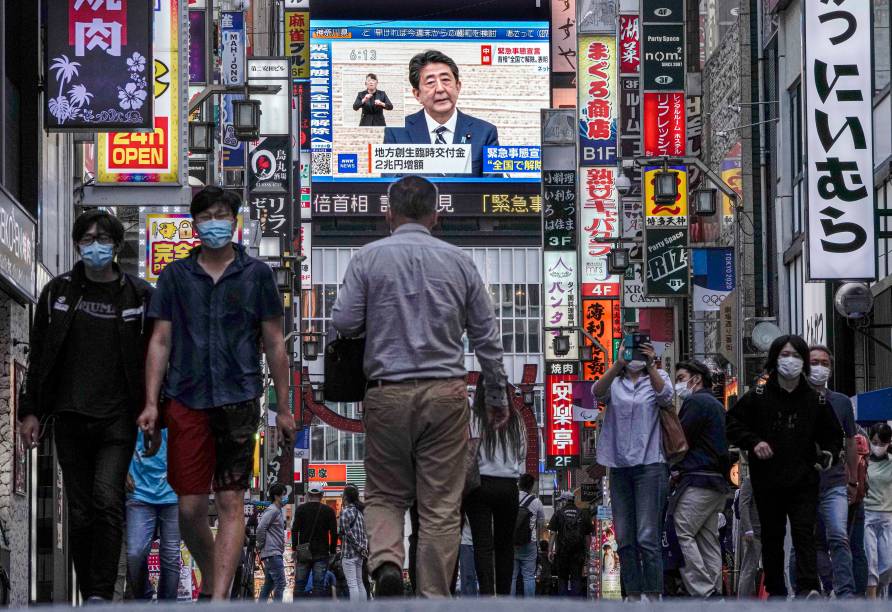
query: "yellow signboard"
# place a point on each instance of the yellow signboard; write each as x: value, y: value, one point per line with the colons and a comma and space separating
x: 297, y: 43
x: 666, y: 215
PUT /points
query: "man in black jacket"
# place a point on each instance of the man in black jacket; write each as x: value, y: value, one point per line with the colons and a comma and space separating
x: 314, y: 525
x: 702, y: 488
x: 87, y: 346
x: 373, y: 103
x: 791, y: 433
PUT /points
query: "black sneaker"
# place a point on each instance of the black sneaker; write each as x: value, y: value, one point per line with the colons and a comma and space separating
x: 389, y: 581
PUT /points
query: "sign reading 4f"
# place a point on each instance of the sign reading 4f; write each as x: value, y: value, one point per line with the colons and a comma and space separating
x: 838, y: 116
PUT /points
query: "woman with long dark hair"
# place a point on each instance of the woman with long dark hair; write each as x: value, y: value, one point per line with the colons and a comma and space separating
x: 492, y: 507
x: 354, y: 542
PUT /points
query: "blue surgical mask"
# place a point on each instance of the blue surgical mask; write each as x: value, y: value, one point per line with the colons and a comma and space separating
x: 215, y: 234
x: 97, y: 256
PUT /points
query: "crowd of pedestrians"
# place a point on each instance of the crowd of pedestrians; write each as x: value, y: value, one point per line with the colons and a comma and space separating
x: 153, y: 395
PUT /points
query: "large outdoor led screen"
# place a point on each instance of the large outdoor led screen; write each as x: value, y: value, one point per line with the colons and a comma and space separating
x: 503, y: 82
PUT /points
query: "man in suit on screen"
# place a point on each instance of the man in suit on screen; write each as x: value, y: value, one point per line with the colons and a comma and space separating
x: 436, y: 85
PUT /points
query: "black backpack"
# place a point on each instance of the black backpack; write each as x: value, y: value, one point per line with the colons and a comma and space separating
x: 523, y: 535
x: 570, y: 538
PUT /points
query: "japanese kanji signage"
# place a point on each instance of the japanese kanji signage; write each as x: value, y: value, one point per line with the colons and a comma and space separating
x: 559, y: 210
x: 168, y: 237
x: 602, y: 319
x: 273, y: 212
x: 149, y: 157
x: 598, y: 101
x: 666, y: 265
x: 598, y: 223
x: 629, y: 44
x: 662, y: 215
x: 270, y: 159
x: 297, y: 43
x: 561, y: 433
x: 839, y: 123
x: 664, y: 124
x: 596, y: 16
x: 561, y: 300
x: 306, y: 249
x: 563, y: 35
x: 98, y: 65
x: 232, y: 72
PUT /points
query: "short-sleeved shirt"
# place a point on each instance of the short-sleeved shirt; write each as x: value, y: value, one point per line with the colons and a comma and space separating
x: 842, y: 408
x: 216, y: 328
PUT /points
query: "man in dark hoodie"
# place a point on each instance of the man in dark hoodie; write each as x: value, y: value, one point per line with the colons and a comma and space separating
x: 791, y: 433
x: 88, y: 344
x: 702, y: 485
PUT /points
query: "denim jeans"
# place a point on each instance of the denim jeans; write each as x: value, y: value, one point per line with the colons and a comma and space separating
x: 273, y: 578
x: 468, y: 570
x: 856, y: 540
x: 353, y: 576
x: 319, y: 568
x: 95, y: 455
x: 638, y: 495
x: 142, y: 521
x: 833, y: 506
x: 878, y: 546
x: 525, y: 565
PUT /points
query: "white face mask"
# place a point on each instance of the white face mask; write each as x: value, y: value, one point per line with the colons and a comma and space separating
x: 789, y: 367
x: 682, y: 390
x: 819, y: 375
x: 879, y: 450
x: 636, y: 365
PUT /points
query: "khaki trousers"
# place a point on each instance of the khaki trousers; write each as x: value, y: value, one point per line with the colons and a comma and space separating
x: 416, y: 437
x: 697, y: 526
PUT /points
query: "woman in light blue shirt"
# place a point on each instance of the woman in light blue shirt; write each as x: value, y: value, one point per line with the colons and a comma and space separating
x: 630, y: 446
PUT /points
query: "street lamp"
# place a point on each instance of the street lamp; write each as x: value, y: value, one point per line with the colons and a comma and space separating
x: 618, y: 261
x: 561, y: 344
x: 529, y: 398
x: 665, y: 185
x: 704, y: 202
x: 311, y: 348
x: 283, y: 279
x: 246, y: 119
x: 201, y: 137
x: 318, y: 394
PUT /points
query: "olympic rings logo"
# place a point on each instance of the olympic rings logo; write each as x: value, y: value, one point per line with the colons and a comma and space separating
x: 713, y: 298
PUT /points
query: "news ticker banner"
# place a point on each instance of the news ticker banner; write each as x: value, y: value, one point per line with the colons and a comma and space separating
x: 137, y: 158
x: 369, y: 199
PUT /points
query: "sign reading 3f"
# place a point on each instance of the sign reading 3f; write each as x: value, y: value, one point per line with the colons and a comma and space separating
x: 839, y: 120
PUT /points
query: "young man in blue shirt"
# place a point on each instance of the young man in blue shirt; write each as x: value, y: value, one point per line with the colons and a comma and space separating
x: 152, y: 504
x: 212, y: 312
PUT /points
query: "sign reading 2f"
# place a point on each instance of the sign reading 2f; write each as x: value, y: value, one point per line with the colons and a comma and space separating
x: 839, y: 120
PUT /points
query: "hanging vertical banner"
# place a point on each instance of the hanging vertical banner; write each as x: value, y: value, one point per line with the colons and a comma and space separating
x: 197, y: 47
x: 297, y: 43
x: 663, y: 127
x: 714, y: 277
x: 598, y: 223
x: 559, y: 209
x: 232, y: 72
x: 563, y: 36
x: 306, y: 250
x: 662, y: 52
x: 561, y: 300
x: 561, y: 433
x: 666, y: 262
x: 598, y: 101
x: 839, y: 133
x: 98, y: 65
x: 599, y: 319
x: 629, y: 44
x: 662, y: 215
x: 139, y: 158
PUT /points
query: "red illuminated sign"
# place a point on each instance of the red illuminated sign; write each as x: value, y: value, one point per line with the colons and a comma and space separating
x: 664, y: 124
x: 629, y: 44
x: 561, y: 432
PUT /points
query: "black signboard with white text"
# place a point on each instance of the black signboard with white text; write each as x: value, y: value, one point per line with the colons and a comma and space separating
x: 559, y: 209
x: 268, y: 163
x: 98, y: 66
x: 666, y: 263
x: 662, y: 11
x: 663, y: 58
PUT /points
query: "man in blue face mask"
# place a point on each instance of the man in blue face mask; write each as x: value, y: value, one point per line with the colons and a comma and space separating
x: 87, y: 345
x: 211, y: 311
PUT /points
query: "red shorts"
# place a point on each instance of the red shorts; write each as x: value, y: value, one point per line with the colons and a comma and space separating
x: 210, y: 448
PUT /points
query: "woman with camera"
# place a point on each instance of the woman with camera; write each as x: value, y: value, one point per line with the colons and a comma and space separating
x: 630, y: 446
